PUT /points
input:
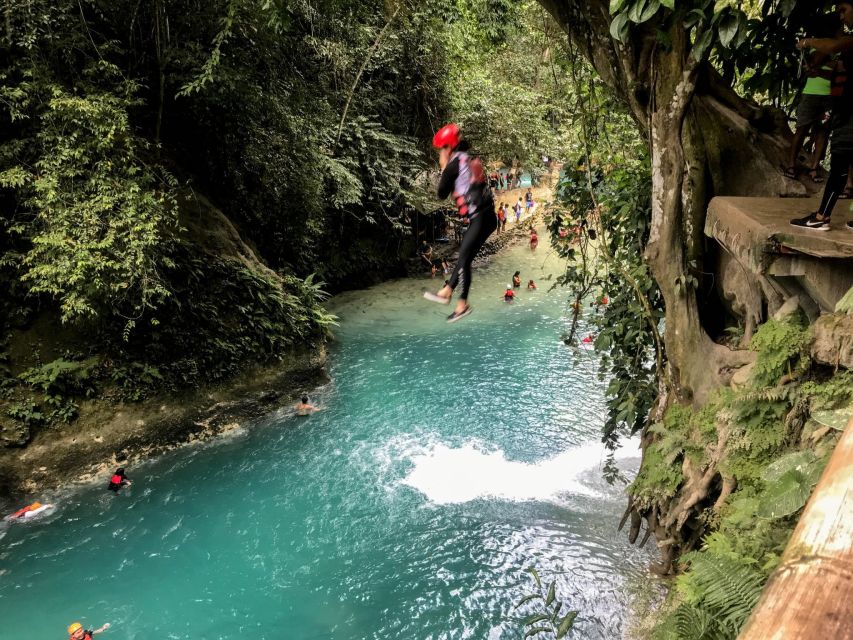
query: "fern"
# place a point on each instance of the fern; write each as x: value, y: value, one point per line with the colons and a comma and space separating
x: 724, y: 586
x: 695, y: 623
x: 782, y: 347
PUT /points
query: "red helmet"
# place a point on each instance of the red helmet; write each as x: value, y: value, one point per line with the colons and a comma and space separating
x: 447, y: 136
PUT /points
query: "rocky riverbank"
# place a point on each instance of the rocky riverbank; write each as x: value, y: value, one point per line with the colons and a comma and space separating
x: 107, y: 434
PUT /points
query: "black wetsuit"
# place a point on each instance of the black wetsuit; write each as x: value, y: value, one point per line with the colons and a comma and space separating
x: 474, y: 198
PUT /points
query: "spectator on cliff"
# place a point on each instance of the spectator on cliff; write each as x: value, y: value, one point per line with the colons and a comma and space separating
x: 815, y: 108
x: 505, y: 216
x: 528, y: 200
x: 501, y: 215
x: 841, y: 136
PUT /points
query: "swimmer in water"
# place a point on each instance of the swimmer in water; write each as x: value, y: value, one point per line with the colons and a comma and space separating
x: 77, y: 632
x: 305, y: 408
x: 509, y: 294
x: 30, y: 511
x: 118, y: 480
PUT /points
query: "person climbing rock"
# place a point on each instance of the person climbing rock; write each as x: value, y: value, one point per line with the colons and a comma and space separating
x: 77, y: 632
x: 462, y: 175
x: 118, y: 480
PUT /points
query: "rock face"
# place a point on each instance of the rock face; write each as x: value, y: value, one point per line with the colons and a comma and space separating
x: 13, y: 433
x: 833, y: 340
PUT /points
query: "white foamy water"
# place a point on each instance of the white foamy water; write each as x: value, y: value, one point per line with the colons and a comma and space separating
x: 447, y: 475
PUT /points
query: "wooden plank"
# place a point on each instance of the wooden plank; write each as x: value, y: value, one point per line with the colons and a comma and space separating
x: 810, y: 595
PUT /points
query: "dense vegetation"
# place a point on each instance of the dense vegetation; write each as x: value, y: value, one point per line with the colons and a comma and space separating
x: 725, y: 470
x: 304, y: 123
x: 180, y: 180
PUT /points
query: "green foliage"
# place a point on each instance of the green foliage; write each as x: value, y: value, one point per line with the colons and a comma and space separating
x: 545, y: 620
x: 62, y: 377
x: 775, y: 476
x: 100, y: 215
x: 246, y: 98
x: 601, y: 229
x: 722, y: 584
x: 783, y: 349
x: 27, y: 412
x: 510, y: 90
x: 658, y: 479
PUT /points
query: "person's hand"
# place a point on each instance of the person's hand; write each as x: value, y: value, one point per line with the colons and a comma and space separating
x: 443, y: 157
x: 804, y: 43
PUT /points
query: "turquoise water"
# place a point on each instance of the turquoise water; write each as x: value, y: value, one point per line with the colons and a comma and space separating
x: 448, y: 459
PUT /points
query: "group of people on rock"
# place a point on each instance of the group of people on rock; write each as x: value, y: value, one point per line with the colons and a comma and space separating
x: 826, y: 112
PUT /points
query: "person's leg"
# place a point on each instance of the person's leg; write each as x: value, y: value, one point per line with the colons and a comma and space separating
x: 796, y: 146
x: 821, y: 140
x: 477, y: 234
x: 838, y: 173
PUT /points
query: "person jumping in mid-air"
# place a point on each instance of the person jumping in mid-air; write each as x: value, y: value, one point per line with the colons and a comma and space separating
x: 463, y: 176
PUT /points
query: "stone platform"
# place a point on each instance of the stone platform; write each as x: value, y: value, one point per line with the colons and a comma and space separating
x: 817, y: 266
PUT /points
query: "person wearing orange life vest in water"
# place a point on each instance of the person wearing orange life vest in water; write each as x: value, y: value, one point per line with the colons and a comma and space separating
x: 462, y: 175
x: 509, y: 294
x: 30, y: 511
x: 77, y: 632
x: 118, y: 480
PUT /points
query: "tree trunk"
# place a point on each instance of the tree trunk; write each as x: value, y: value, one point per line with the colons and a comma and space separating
x: 704, y: 140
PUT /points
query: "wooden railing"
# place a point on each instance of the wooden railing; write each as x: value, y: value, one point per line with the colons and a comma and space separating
x: 810, y: 595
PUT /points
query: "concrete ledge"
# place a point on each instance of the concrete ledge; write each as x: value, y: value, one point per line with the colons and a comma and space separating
x: 755, y: 229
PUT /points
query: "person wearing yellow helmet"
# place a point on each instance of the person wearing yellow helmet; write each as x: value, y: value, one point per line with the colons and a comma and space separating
x: 77, y: 632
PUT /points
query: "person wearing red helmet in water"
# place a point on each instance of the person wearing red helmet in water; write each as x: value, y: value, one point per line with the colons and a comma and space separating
x: 462, y: 175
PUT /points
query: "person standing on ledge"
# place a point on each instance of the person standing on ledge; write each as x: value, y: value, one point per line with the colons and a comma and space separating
x: 463, y: 176
x: 841, y: 137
